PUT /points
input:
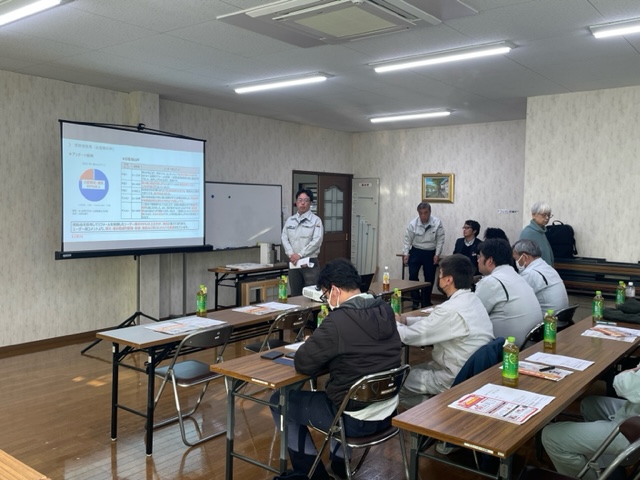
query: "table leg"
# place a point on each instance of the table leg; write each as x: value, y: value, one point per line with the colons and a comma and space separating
x: 414, y: 445
x: 231, y: 385
x: 505, y: 468
x: 115, y: 351
x: 283, y: 428
x: 215, y: 291
x: 151, y: 377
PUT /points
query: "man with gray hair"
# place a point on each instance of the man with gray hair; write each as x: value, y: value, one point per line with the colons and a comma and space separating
x: 542, y: 277
x: 421, y: 248
x: 537, y: 229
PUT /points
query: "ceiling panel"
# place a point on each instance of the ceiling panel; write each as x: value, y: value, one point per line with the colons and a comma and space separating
x: 181, y: 52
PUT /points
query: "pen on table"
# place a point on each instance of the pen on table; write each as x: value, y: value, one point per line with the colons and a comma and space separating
x: 547, y: 368
x: 601, y: 322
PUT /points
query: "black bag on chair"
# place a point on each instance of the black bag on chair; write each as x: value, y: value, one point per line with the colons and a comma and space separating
x: 561, y: 239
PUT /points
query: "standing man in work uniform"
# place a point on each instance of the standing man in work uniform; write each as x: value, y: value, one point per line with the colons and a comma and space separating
x: 302, y: 238
x: 422, y: 247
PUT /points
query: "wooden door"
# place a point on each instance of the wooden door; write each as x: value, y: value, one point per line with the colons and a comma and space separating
x: 334, y: 208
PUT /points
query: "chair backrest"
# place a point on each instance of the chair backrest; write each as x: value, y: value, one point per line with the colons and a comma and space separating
x: 565, y: 315
x: 483, y: 358
x: 291, y: 320
x: 365, y: 282
x: 378, y: 387
x: 535, y: 335
x: 203, y: 339
x: 630, y: 428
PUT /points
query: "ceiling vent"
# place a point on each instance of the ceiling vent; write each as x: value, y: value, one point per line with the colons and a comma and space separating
x: 309, y: 23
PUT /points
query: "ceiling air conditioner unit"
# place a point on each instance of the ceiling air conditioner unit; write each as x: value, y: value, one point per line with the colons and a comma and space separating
x: 308, y: 23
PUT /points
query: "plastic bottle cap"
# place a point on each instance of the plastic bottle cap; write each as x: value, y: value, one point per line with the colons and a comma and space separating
x: 550, y: 312
x: 511, y: 339
x: 598, y: 292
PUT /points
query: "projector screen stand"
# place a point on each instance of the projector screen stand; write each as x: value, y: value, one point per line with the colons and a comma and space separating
x: 134, y: 319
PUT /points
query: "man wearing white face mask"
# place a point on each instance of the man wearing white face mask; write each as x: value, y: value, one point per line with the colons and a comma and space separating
x: 542, y: 277
x: 455, y: 328
x: 357, y: 338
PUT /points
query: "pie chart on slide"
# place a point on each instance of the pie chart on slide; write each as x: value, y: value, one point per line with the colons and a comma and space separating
x: 93, y: 185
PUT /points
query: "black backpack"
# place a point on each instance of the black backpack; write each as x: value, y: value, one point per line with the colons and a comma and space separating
x: 561, y: 239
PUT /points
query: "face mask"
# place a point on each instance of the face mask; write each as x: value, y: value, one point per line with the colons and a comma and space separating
x: 520, y: 267
x: 329, y: 300
x: 440, y: 289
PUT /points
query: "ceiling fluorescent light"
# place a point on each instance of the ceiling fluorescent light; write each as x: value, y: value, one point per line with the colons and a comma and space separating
x: 26, y: 9
x: 412, y: 116
x: 617, y: 28
x: 454, y: 55
x: 282, y: 83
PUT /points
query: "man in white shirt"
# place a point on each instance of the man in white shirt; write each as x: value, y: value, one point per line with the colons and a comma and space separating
x: 302, y: 238
x: 570, y: 444
x: 421, y: 248
x: 542, y: 277
x: 456, y: 329
x: 510, y: 301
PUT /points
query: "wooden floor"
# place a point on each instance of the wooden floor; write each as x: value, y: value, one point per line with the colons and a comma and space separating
x: 56, y: 417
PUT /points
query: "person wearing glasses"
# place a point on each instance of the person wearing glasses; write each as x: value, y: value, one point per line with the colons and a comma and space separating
x: 467, y: 245
x: 536, y: 230
x: 359, y: 337
x: 421, y: 249
x: 302, y: 238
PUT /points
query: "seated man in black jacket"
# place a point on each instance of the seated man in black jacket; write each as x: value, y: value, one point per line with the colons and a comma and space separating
x: 357, y: 338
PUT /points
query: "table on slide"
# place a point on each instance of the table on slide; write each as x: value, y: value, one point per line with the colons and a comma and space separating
x: 501, y: 439
x: 158, y: 346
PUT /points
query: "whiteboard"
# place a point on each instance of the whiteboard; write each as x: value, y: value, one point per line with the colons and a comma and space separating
x: 241, y: 215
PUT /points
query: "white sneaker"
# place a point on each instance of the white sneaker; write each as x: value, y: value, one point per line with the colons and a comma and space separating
x: 444, y: 448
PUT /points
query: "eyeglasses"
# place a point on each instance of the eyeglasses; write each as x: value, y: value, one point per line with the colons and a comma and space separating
x: 466, y: 227
x: 324, y: 297
x: 545, y: 215
x: 303, y: 200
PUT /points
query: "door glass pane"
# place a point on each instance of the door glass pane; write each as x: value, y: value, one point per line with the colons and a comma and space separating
x: 333, y: 209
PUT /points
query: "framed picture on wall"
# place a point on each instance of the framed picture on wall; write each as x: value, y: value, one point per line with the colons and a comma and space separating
x: 437, y: 187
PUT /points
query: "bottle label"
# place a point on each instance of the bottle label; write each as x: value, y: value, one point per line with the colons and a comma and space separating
x: 395, y: 303
x: 620, y: 296
x: 282, y: 291
x: 549, y: 332
x: 201, y: 303
x: 510, y: 364
x: 597, y: 309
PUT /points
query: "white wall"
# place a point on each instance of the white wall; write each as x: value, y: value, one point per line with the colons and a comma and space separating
x: 488, y: 163
x: 583, y: 158
x: 581, y: 149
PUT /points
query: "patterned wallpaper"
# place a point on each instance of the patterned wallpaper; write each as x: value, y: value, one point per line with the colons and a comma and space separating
x: 486, y: 159
x: 583, y: 158
x: 41, y: 297
x: 579, y: 147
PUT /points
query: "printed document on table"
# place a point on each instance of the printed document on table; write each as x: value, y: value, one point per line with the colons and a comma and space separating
x: 302, y: 263
x: 533, y: 370
x: 184, y: 325
x: 265, y: 308
x: 294, y: 346
x: 621, y: 334
x: 503, y: 403
x: 278, y: 307
x: 560, y: 360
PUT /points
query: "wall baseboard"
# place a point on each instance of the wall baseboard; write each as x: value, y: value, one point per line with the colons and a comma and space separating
x: 48, y: 344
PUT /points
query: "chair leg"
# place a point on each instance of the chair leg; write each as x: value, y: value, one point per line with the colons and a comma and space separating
x: 182, y: 415
x: 403, y: 452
